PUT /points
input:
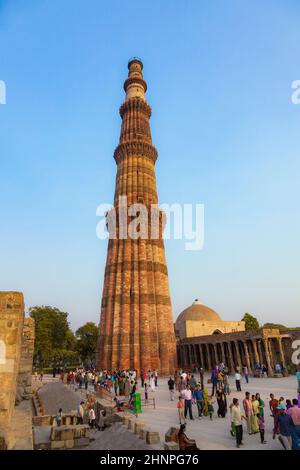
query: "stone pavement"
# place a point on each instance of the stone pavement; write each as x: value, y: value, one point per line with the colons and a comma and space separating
x: 215, y: 434
x: 117, y: 437
x: 56, y: 395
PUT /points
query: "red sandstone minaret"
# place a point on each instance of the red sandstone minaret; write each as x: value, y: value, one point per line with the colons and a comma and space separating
x: 136, y: 326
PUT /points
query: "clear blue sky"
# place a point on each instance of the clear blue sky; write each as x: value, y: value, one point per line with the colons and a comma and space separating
x: 219, y: 77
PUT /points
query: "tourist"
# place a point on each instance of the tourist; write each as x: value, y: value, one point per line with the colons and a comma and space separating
x: 199, y: 399
x: 171, y: 385
x: 146, y: 392
x: 184, y: 442
x: 80, y: 412
x: 294, y: 413
x: 92, y: 418
x: 86, y: 381
x: 273, y: 403
x: 58, y: 417
x: 193, y: 383
x: 41, y: 375
x: 187, y: 395
x: 222, y: 404
x: 261, y: 405
x: 284, y: 423
x: 298, y: 378
x: 101, y: 420
x: 226, y: 384
x: 156, y: 377
x: 238, y: 381
x: 255, y: 404
x: 127, y: 387
x: 261, y: 426
x: 236, y: 418
x: 142, y: 378
x: 214, y: 381
x: 246, y: 374
x: 288, y: 404
x: 201, y: 373
x: 210, y: 408
x: 152, y: 383
x: 249, y: 413
x: 180, y: 408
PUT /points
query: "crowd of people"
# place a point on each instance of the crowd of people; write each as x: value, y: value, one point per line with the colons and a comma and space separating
x: 196, y: 398
x: 285, y: 412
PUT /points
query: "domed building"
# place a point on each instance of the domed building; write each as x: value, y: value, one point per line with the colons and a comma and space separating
x: 200, y: 320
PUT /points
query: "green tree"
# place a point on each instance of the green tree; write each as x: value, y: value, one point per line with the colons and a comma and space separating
x: 251, y: 323
x: 87, y: 341
x: 53, y: 337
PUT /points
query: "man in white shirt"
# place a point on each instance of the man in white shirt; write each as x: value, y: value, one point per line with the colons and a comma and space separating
x: 238, y: 381
x: 236, y: 419
x: 187, y: 395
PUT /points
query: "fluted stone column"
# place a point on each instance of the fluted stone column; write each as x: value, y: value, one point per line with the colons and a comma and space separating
x: 282, y: 356
x: 208, y: 357
x: 215, y: 354
x: 247, y: 356
x: 223, y: 353
x: 231, y: 364
x: 236, y: 343
x: 269, y: 364
x: 201, y: 356
x: 256, y: 357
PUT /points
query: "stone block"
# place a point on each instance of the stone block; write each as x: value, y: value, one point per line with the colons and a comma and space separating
x: 81, y: 442
x: 138, y: 425
x: 125, y: 420
x: 152, y: 437
x: 171, y: 446
x: 57, y: 445
x: 131, y: 423
x: 143, y: 433
x: 69, y: 443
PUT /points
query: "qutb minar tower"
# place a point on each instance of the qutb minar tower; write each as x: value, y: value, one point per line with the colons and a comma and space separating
x: 136, y: 325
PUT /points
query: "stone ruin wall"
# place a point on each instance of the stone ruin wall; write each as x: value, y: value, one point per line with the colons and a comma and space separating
x: 24, y: 391
x: 16, y: 350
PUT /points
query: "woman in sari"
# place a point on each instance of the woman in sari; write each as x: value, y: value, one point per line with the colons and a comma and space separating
x: 255, y: 404
x: 206, y: 402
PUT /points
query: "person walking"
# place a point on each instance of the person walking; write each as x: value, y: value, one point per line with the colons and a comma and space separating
x: 236, y: 418
x: 284, y: 422
x: 187, y: 395
x: 171, y: 385
x: 261, y: 427
x: 180, y: 408
x: 294, y: 412
x: 199, y: 399
x: 238, y: 381
x: 246, y: 374
x: 58, y: 417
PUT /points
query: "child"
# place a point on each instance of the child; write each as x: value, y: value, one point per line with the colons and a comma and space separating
x: 210, y: 408
x: 58, y: 417
x: 261, y: 426
x: 180, y: 407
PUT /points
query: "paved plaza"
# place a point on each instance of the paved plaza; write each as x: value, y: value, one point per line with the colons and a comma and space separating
x: 208, y: 434
x: 215, y: 434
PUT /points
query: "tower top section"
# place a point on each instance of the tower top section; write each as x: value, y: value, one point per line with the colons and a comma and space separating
x: 135, y: 85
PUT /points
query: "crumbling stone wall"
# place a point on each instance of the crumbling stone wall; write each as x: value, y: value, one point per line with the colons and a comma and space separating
x: 25, y: 368
x: 11, y: 328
